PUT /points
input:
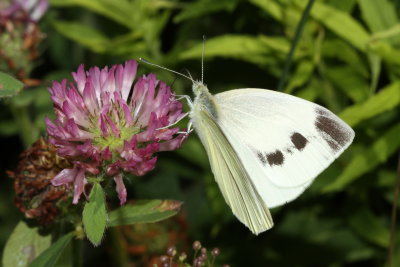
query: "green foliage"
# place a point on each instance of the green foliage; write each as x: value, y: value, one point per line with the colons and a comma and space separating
x: 94, y: 215
x: 50, y: 256
x: 341, y: 23
x: 347, y: 59
x: 367, y: 159
x: 204, y: 7
x: 144, y: 212
x: 386, y: 99
x: 24, y: 245
x: 9, y: 86
x: 368, y: 226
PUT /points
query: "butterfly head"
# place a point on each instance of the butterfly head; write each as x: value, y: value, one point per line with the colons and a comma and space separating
x: 199, y: 87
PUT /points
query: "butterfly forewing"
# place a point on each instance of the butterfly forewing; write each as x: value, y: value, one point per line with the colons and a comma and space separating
x: 283, y: 142
x: 232, y: 178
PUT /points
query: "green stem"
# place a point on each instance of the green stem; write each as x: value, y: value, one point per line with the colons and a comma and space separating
x: 27, y: 131
x: 296, y: 39
x: 119, y: 252
x: 77, y: 252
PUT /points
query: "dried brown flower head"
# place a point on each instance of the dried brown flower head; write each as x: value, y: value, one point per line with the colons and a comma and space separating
x: 35, y: 195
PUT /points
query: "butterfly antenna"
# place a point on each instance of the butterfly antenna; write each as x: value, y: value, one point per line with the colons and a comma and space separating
x: 164, y: 68
x: 188, y: 72
x: 202, y: 59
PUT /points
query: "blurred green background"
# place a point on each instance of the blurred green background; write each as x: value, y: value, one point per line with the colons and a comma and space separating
x: 347, y: 59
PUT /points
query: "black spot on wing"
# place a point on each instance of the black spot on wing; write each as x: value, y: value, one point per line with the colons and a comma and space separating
x: 331, y: 131
x: 299, y: 141
x: 261, y: 158
x: 275, y: 158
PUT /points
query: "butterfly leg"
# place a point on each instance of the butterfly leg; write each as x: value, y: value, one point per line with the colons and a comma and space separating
x: 188, y: 131
x: 172, y: 124
x: 190, y: 104
x: 187, y: 98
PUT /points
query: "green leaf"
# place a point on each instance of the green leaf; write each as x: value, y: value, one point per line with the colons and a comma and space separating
x: 83, y: 35
x: 271, y: 7
x: 119, y: 11
x: 95, y: 215
x: 376, y: 67
x: 301, y: 75
x: 50, y: 256
x: 379, y: 15
x: 9, y: 86
x: 201, y: 8
x: 339, y: 49
x: 8, y: 127
x: 349, y: 81
x: 340, y: 23
x: 344, y: 5
x: 311, y: 91
x: 385, y: 50
x: 369, y: 227
x: 144, y: 212
x: 386, y: 99
x: 368, y: 159
x: 257, y: 50
x: 24, y: 245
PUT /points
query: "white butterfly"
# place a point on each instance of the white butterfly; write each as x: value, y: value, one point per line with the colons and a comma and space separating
x: 265, y: 148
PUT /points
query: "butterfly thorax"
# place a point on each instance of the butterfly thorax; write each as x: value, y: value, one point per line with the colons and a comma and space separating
x: 204, y: 101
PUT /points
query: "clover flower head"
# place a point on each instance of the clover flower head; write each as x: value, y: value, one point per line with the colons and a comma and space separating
x: 107, y: 126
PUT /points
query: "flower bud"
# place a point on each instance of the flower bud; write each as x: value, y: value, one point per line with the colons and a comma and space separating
x: 196, y: 245
x: 215, y: 252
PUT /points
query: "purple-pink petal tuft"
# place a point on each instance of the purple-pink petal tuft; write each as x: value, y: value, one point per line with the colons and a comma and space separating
x: 107, y: 123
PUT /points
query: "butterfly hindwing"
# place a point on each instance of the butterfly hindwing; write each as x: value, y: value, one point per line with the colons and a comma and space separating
x: 283, y: 141
x: 232, y: 178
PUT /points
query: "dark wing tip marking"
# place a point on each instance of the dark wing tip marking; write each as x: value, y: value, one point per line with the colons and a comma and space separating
x: 299, y: 141
x: 331, y: 130
x: 275, y: 158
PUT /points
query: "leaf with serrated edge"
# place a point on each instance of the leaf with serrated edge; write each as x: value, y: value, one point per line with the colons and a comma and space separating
x: 95, y: 215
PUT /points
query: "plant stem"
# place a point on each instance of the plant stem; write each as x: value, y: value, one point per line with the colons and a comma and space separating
x: 299, y: 30
x: 394, y: 216
x: 119, y: 248
x: 28, y: 132
x: 77, y: 252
